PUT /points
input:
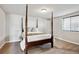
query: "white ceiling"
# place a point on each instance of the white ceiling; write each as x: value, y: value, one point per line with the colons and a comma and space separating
x: 35, y: 9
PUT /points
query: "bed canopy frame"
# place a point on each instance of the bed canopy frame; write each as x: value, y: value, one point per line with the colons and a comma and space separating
x: 30, y: 44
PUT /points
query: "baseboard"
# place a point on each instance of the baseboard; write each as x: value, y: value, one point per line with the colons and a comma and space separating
x: 13, y: 41
x: 66, y: 40
x: 2, y: 43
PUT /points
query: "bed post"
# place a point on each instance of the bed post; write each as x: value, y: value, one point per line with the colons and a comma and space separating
x: 26, y: 19
x: 52, y: 30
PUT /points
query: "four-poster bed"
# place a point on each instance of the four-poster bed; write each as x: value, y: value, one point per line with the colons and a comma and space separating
x: 38, y: 37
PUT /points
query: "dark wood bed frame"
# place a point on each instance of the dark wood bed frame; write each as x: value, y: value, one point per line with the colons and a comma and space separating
x: 39, y: 42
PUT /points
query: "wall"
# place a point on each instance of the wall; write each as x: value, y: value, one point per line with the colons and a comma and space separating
x: 72, y: 37
x: 3, y: 35
x: 14, y: 27
x: 43, y: 24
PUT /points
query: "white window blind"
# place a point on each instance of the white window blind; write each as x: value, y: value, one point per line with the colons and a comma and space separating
x: 71, y: 24
x: 75, y: 23
x: 66, y: 24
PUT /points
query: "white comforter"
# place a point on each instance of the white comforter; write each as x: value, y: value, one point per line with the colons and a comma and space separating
x: 38, y: 37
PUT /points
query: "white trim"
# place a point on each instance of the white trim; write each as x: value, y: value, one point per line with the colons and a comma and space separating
x: 3, y: 44
x: 13, y: 41
x: 67, y: 41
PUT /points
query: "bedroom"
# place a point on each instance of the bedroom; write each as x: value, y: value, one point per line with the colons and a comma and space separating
x: 39, y: 22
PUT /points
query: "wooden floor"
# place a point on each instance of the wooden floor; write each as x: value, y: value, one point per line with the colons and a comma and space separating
x: 11, y: 48
x: 66, y: 45
x: 60, y: 47
x: 55, y: 50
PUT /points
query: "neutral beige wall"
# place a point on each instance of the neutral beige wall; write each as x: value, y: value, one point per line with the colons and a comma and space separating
x: 3, y: 35
x: 64, y: 35
x: 2, y: 24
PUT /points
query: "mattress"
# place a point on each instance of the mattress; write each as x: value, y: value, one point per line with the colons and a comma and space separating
x: 34, y: 38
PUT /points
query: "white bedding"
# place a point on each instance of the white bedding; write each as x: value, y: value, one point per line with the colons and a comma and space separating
x: 34, y: 38
x: 38, y: 37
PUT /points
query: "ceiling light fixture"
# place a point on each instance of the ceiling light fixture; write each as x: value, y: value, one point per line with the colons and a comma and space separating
x: 43, y: 10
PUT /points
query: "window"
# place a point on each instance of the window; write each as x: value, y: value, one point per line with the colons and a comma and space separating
x: 66, y: 24
x: 71, y: 24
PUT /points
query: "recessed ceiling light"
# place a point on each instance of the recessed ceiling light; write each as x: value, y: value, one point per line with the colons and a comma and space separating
x: 43, y: 10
